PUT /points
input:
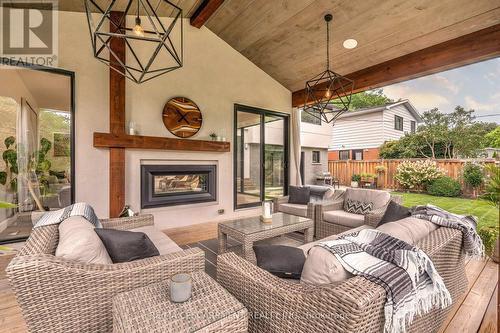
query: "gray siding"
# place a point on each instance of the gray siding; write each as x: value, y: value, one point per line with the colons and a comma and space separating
x: 363, y: 131
x: 390, y: 133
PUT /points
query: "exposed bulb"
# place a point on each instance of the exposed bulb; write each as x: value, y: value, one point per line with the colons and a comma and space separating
x: 328, y: 94
x: 138, y: 30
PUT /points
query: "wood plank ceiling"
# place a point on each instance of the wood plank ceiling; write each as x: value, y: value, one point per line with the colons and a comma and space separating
x: 188, y: 6
x: 287, y: 38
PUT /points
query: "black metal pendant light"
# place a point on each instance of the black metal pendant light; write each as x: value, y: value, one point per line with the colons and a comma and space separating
x: 328, y: 94
x: 153, y: 45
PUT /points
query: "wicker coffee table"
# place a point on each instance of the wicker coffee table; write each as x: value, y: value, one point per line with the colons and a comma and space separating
x: 251, y: 229
x: 149, y: 309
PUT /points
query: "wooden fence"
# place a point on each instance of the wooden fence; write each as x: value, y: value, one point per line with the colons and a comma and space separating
x: 343, y: 170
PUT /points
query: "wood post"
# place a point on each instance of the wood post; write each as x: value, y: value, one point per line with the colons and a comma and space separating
x: 116, y: 122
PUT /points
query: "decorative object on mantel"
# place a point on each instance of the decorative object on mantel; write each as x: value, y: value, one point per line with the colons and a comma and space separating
x: 127, y: 212
x: 180, y: 288
x: 182, y: 117
x: 160, y: 38
x: 267, y: 212
x: 213, y: 136
x: 328, y: 94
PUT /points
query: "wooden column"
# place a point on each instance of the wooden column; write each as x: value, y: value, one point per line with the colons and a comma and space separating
x: 116, y: 123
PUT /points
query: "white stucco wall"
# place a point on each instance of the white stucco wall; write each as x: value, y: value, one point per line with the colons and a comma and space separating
x: 215, y: 76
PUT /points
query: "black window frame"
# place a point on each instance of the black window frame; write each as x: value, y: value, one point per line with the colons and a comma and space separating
x: 413, y: 126
x: 344, y: 151
x: 353, y: 154
x: 286, y: 132
x: 71, y: 76
x: 318, y: 154
x: 398, y: 120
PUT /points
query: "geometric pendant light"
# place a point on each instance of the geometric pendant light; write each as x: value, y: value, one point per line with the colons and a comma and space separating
x: 153, y: 43
x: 328, y: 94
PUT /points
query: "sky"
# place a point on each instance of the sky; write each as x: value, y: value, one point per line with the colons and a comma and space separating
x: 475, y: 86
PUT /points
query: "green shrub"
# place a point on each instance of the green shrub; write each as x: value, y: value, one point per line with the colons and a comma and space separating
x: 356, y: 178
x: 473, y: 174
x: 492, y: 186
x: 416, y: 175
x: 444, y: 187
x: 488, y: 236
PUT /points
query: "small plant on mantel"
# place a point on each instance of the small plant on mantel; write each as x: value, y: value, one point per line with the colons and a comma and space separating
x: 213, y: 136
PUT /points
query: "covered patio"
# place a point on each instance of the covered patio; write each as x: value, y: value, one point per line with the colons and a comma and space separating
x: 189, y: 147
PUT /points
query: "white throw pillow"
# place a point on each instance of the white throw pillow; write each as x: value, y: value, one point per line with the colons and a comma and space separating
x: 78, y: 241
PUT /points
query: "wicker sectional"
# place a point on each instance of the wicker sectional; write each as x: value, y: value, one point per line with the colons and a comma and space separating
x: 58, y: 295
x: 355, y: 305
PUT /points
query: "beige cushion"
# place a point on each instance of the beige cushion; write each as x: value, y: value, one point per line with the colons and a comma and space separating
x: 78, y: 241
x: 378, y: 198
x: 321, y: 266
x: 409, y: 229
x: 293, y: 209
x: 164, y: 244
x: 344, y: 218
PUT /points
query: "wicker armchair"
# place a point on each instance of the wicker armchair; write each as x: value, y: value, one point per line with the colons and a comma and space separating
x: 281, y: 204
x: 325, y: 228
x: 355, y: 305
x: 58, y: 295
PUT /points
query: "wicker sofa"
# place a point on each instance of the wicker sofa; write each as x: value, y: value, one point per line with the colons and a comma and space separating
x: 354, y: 305
x: 58, y: 295
x: 331, y: 219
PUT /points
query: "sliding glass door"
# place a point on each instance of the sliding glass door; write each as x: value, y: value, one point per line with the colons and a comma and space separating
x: 260, y: 155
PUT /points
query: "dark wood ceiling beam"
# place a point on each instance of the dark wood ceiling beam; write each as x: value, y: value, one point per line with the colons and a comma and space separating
x: 204, y: 11
x: 474, y: 47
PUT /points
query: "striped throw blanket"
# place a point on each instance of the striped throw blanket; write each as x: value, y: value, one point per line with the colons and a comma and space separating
x: 472, y: 243
x: 78, y: 209
x: 412, y: 283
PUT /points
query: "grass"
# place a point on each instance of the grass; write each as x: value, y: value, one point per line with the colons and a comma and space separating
x: 485, y: 211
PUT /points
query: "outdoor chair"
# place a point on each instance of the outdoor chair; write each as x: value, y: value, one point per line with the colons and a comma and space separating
x: 59, y: 295
x: 331, y: 218
x: 354, y: 305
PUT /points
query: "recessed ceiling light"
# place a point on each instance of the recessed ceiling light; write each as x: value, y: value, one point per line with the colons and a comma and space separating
x: 350, y: 43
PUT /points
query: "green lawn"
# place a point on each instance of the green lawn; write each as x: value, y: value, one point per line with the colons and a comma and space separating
x: 486, y: 212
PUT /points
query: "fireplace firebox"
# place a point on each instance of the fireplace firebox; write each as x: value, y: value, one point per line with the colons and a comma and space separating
x: 169, y: 185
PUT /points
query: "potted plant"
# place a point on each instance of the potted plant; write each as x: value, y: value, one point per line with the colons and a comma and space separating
x: 380, y: 169
x: 355, y: 179
x: 213, y: 136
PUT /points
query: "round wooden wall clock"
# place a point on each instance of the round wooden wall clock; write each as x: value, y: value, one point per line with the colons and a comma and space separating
x: 182, y: 117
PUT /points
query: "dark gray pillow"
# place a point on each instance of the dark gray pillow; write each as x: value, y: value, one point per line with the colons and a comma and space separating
x: 283, y: 261
x: 124, y: 246
x: 299, y: 195
x: 394, y: 212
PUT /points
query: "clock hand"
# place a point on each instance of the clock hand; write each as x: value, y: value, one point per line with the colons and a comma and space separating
x: 183, y: 117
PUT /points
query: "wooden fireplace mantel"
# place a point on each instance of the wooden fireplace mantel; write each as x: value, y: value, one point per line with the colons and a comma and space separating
x: 110, y: 140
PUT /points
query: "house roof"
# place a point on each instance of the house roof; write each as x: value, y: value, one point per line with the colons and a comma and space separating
x: 389, y: 106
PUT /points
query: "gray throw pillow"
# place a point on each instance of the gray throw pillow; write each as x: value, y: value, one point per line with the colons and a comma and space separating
x: 299, y: 195
x: 280, y: 260
x: 394, y: 212
x: 125, y: 246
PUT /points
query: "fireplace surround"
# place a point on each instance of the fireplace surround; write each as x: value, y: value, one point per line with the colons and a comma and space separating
x: 170, y: 185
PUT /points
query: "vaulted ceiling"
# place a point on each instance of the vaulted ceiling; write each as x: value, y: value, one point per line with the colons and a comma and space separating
x: 287, y: 38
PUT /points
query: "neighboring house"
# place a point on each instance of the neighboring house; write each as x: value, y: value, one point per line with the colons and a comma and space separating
x: 315, y: 136
x: 357, y: 135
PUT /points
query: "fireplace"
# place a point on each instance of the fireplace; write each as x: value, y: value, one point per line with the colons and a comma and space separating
x: 169, y: 185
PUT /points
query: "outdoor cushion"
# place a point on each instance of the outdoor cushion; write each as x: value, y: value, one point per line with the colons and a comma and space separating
x: 280, y: 260
x: 394, y: 212
x: 125, y: 246
x: 78, y: 241
x: 162, y: 242
x: 320, y: 193
x: 293, y: 209
x: 357, y: 207
x: 299, y: 195
x: 378, y: 198
x: 321, y: 266
x: 344, y: 218
x: 409, y: 229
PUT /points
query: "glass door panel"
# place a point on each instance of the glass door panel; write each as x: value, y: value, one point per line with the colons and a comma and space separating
x: 274, y: 156
x: 248, y: 159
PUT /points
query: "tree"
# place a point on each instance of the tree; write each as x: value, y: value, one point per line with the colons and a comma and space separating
x: 492, y: 139
x: 434, y: 130
x: 367, y: 99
